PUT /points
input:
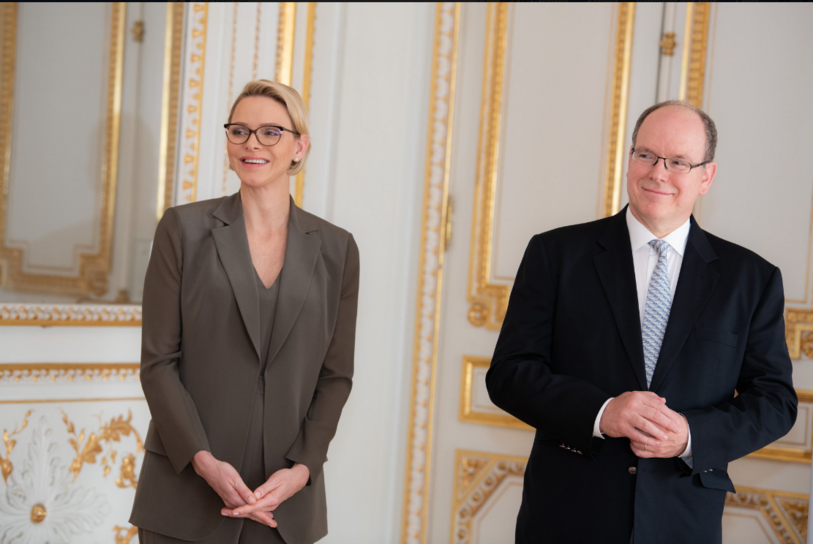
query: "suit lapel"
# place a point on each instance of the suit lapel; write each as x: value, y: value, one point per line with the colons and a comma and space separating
x: 301, y: 253
x: 231, y: 242
x: 696, y: 282
x: 617, y: 275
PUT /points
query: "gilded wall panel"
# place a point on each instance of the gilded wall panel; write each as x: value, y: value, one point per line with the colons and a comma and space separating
x: 47, y: 243
x: 541, y: 152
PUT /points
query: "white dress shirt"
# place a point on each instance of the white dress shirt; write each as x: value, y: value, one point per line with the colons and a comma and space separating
x: 644, y: 259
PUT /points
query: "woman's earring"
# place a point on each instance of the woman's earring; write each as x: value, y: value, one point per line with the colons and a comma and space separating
x: 296, y: 159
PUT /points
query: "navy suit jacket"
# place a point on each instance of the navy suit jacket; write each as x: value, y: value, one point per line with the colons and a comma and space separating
x: 571, y: 339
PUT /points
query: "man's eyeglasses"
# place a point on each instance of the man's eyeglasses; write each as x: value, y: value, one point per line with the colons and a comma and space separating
x: 679, y: 166
x: 267, y: 135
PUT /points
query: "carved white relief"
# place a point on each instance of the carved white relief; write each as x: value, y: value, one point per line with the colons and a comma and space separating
x: 41, y: 504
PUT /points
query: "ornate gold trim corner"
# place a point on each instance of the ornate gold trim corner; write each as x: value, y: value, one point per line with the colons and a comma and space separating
x: 786, y: 512
x: 799, y: 332
x: 478, y: 475
x: 467, y: 412
x: 430, y: 274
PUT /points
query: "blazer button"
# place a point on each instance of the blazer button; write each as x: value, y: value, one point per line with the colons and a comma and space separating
x: 633, y: 470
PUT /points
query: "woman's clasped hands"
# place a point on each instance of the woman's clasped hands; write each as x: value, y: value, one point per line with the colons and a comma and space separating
x: 238, y: 499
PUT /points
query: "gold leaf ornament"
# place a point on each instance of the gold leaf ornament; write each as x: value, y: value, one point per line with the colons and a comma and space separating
x: 125, y: 535
x: 108, y: 433
x: 6, y: 467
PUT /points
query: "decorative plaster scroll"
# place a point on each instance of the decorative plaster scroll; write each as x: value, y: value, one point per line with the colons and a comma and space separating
x: 430, y: 273
x: 787, y: 512
x: 87, y: 447
x: 41, y: 503
x: 478, y: 476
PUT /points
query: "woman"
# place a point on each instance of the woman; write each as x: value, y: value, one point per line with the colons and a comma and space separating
x: 249, y: 318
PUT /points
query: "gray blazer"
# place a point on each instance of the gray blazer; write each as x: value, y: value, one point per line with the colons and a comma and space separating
x: 200, y: 362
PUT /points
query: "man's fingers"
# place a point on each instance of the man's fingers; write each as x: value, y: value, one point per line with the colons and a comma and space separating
x: 676, y: 418
x: 637, y: 435
x: 653, y: 433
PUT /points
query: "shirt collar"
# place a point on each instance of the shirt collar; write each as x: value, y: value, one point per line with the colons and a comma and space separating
x: 640, y: 235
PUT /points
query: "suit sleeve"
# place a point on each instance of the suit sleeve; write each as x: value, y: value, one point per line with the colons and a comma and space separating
x: 335, y: 377
x: 765, y: 406
x: 522, y: 380
x: 173, y: 411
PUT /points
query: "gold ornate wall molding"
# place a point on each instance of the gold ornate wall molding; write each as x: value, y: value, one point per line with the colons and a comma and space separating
x: 693, y: 72
x: 799, y: 332
x: 235, y: 7
x: 786, y: 512
x: 93, y: 268
x: 488, y: 301
x: 68, y: 372
x: 468, y: 412
x: 198, y: 16
x: 616, y: 150
x: 430, y: 273
x: 283, y: 70
x: 478, y: 475
x: 79, y: 315
x: 299, y: 191
x: 173, y: 49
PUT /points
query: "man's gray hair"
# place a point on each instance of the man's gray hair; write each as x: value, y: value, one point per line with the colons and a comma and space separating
x: 711, y: 129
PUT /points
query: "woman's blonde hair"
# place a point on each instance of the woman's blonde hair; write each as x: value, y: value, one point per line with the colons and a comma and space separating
x: 288, y: 97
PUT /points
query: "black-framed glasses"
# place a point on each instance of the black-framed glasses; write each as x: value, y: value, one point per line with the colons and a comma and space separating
x: 679, y: 166
x: 267, y: 134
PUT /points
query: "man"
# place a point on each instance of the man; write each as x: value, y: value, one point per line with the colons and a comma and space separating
x: 647, y: 353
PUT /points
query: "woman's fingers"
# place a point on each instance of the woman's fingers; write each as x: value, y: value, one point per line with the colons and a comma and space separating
x: 260, y: 516
x: 266, y: 518
x: 267, y: 504
x: 242, y: 490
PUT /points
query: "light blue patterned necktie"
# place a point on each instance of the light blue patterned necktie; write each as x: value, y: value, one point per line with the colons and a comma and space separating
x: 656, y: 311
